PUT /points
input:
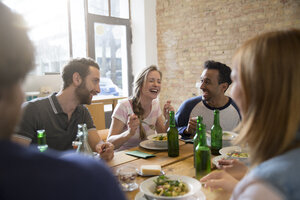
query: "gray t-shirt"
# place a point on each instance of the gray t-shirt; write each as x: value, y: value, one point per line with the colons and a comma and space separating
x: 46, y: 113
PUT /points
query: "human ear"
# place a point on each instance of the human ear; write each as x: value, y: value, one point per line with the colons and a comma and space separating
x: 77, y: 79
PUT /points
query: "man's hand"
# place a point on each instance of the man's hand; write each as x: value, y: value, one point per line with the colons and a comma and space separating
x: 191, y: 128
x: 219, y: 179
x: 105, y: 150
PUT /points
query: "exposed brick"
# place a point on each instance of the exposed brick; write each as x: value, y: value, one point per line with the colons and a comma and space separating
x: 189, y: 32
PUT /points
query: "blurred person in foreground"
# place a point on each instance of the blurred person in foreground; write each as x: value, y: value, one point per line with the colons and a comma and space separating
x: 60, y: 113
x: 25, y: 172
x: 265, y: 66
x: 140, y: 116
x: 215, y: 80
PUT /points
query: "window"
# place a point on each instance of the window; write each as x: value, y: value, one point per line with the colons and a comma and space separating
x: 62, y: 29
x: 109, y: 44
x: 48, y: 23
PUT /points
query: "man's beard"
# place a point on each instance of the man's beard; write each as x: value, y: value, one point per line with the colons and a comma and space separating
x: 83, y: 94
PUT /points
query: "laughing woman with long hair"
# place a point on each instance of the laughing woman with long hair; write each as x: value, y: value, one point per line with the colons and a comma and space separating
x: 139, y: 116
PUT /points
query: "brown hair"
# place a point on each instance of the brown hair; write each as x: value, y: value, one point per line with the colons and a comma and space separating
x: 138, y: 84
x: 269, y: 69
x: 16, y: 50
x: 80, y: 65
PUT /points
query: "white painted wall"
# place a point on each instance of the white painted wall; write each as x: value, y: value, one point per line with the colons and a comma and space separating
x: 144, y: 40
x: 144, y: 45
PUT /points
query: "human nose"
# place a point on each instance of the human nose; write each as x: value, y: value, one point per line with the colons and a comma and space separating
x: 202, y: 85
x: 98, y: 90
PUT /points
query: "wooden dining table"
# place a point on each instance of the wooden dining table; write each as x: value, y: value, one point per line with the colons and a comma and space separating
x: 181, y: 165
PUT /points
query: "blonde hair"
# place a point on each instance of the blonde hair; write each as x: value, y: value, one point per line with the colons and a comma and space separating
x: 136, y: 104
x: 269, y: 70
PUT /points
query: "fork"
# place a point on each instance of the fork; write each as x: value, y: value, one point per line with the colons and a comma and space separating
x: 151, y: 126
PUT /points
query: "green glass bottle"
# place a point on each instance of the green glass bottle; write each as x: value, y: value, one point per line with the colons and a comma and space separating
x: 198, y: 132
x: 202, y: 162
x: 41, y: 140
x: 172, y: 133
x: 216, y: 134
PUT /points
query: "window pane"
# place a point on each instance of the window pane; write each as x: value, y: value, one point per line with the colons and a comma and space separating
x: 78, y: 28
x: 98, y: 7
x: 48, y: 25
x: 120, y: 8
x: 111, y: 55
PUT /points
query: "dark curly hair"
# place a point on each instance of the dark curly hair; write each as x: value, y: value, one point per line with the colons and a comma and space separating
x: 224, y: 70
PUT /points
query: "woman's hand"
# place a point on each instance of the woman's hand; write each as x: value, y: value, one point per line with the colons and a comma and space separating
x: 167, y: 108
x: 133, y: 123
x: 234, y: 167
x: 219, y: 179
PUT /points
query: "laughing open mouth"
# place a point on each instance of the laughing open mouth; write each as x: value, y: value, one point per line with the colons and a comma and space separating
x: 155, y: 91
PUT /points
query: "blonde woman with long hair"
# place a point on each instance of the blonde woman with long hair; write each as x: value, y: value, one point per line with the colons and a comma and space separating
x: 266, y: 87
x: 139, y: 116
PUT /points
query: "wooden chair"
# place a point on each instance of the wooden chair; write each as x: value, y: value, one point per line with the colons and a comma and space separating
x: 98, y: 114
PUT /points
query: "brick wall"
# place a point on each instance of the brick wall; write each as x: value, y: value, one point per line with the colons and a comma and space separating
x: 189, y: 32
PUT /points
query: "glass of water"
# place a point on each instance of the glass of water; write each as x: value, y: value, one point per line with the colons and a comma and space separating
x: 127, y: 177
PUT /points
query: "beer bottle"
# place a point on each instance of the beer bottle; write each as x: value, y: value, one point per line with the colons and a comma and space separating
x: 198, y: 132
x: 172, y: 134
x: 41, y: 140
x: 202, y: 161
x: 216, y: 134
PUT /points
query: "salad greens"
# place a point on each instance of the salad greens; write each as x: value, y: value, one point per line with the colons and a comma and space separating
x: 171, y: 188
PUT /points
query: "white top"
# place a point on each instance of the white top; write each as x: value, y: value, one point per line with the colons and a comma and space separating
x: 229, y: 117
x: 121, y: 112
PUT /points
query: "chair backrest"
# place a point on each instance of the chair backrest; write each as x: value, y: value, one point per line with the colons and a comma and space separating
x: 98, y: 114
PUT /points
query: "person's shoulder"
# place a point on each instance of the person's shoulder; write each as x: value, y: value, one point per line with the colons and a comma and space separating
x: 123, y: 104
x: 196, y: 99
x: 36, y: 104
x: 191, y: 101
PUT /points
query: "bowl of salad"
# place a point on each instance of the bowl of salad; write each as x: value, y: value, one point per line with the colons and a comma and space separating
x: 235, y: 152
x: 227, y: 138
x: 167, y: 187
x: 160, y: 139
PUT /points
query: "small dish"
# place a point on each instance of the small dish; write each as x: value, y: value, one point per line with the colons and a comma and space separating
x: 217, y: 158
x: 226, y: 150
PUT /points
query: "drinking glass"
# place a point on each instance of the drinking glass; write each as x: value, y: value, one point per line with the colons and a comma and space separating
x: 127, y: 175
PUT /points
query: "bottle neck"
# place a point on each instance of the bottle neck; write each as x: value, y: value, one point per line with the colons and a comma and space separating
x: 41, y: 137
x: 172, y: 119
x: 216, y: 118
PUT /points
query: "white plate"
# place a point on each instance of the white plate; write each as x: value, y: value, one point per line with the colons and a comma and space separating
x: 217, y: 158
x: 226, y: 150
x: 148, y: 144
x: 148, y: 186
x: 198, y: 196
x: 151, y: 136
